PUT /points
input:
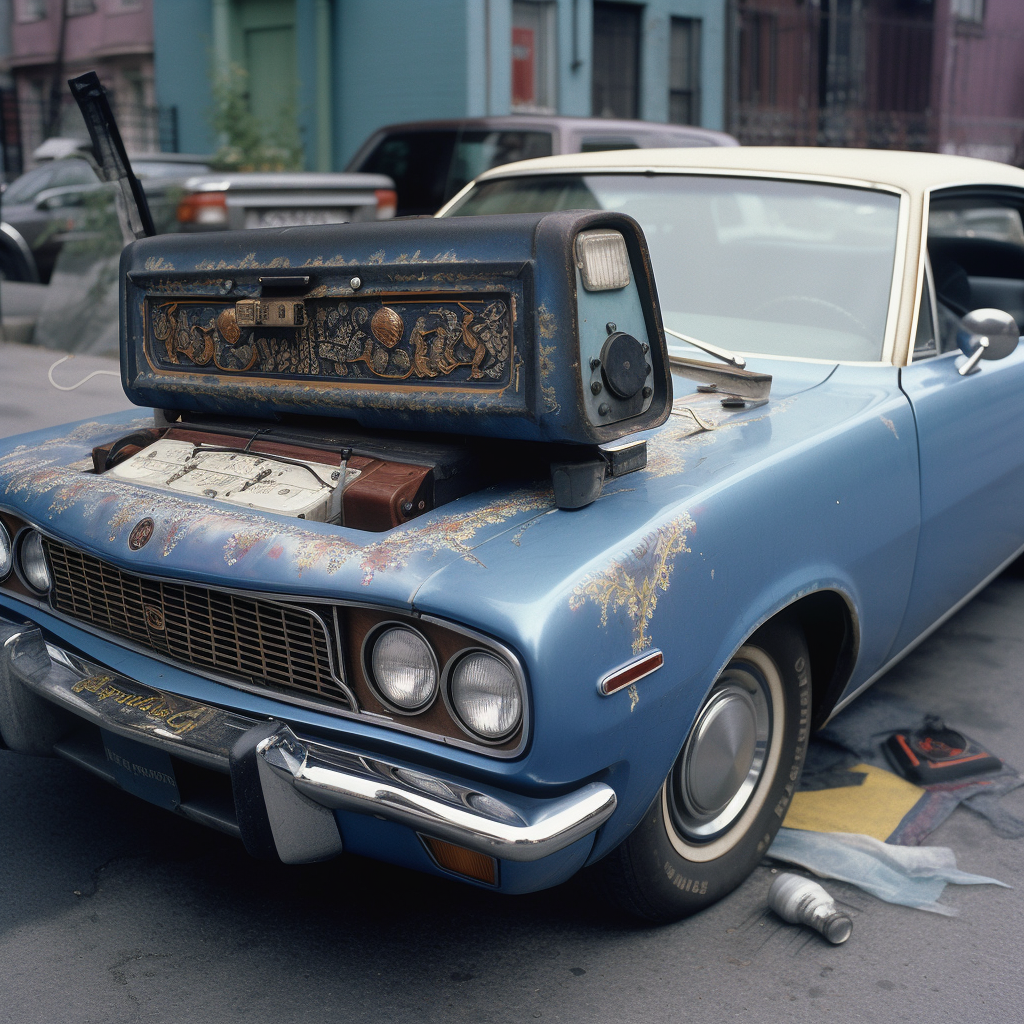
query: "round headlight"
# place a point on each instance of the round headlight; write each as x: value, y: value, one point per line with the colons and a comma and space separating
x: 404, y: 668
x: 33, y: 562
x: 6, y: 556
x: 486, y: 695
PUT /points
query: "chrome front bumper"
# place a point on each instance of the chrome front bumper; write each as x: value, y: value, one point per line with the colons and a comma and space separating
x: 284, y: 788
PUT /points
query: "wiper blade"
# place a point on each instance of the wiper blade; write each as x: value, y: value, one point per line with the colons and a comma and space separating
x: 712, y: 350
x: 729, y: 381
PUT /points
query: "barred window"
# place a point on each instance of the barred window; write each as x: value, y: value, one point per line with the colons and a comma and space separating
x: 968, y: 10
x: 29, y: 10
x: 684, y: 72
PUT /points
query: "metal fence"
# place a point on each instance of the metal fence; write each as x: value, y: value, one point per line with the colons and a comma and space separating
x: 26, y: 122
x: 813, y: 77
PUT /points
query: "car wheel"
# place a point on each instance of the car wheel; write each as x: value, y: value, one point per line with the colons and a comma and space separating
x: 722, y: 803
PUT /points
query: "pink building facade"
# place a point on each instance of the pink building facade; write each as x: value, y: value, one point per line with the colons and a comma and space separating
x: 944, y: 75
x: 978, y: 79
x: 53, y: 40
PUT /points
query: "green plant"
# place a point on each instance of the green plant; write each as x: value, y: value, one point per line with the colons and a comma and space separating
x: 248, y: 144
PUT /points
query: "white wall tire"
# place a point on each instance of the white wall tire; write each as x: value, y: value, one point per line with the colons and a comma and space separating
x: 728, y: 791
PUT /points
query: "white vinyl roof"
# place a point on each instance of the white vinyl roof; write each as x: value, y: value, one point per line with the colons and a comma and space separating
x: 913, y: 172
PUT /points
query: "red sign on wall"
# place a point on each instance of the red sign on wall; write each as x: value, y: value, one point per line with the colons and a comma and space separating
x: 524, y: 63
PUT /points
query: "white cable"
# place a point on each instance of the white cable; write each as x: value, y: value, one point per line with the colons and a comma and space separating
x: 95, y: 373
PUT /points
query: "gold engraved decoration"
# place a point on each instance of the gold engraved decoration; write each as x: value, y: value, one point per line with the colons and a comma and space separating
x: 428, y: 341
x: 387, y: 327
x: 634, y: 580
x: 227, y: 324
x: 178, y: 714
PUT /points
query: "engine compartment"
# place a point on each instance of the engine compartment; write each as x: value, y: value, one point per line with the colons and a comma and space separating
x: 361, y: 482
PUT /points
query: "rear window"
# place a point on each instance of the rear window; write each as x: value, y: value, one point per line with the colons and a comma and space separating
x: 606, y: 145
x: 429, y: 167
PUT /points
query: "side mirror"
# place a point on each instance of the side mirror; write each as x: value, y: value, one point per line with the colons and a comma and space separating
x: 986, y: 334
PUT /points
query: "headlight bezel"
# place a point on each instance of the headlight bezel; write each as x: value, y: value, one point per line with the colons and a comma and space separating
x: 7, y: 543
x: 369, y: 645
x: 450, y: 641
x: 353, y: 625
x: 27, y: 535
x: 446, y: 689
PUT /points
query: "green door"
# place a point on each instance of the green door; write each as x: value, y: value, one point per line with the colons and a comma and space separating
x: 268, y: 40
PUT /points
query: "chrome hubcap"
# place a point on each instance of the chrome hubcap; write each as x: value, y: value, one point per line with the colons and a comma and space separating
x: 724, y: 757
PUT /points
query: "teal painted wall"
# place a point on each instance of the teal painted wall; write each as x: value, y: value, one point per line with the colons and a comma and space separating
x: 182, y: 42
x: 398, y: 60
x: 406, y: 60
x: 654, y: 56
x: 306, y: 60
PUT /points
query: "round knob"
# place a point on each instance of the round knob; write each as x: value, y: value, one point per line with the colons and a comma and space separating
x: 623, y: 365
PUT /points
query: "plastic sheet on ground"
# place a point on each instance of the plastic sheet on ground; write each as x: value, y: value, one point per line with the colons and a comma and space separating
x: 913, y: 876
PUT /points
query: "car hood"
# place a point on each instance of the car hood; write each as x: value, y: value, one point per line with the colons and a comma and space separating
x: 46, y: 478
x: 642, y: 521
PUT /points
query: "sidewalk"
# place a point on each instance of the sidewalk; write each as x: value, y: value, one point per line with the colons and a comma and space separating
x: 29, y: 402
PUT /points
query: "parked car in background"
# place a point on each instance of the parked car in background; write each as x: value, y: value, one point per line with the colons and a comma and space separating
x: 264, y: 199
x: 16, y: 260
x: 437, y: 553
x: 48, y: 205
x: 429, y: 161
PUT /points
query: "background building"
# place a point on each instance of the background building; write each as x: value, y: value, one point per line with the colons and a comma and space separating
x: 906, y: 74
x: 317, y: 77
x: 342, y: 68
x: 53, y: 40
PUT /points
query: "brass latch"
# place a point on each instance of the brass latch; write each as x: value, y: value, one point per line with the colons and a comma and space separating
x: 270, y: 313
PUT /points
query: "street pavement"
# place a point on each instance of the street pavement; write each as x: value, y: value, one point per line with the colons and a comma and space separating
x: 115, y: 911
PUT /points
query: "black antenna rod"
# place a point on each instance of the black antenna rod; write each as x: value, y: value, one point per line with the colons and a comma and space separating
x: 111, y: 157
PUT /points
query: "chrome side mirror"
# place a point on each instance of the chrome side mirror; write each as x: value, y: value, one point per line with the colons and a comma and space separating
x: 986, y: 334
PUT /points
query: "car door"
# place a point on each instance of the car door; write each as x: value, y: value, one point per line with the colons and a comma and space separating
x: 970, y: 428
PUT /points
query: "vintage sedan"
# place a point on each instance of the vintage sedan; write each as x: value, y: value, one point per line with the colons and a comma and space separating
x: 434, y: 551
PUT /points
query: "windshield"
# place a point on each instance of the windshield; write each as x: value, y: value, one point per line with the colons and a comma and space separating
x: 777, y: 267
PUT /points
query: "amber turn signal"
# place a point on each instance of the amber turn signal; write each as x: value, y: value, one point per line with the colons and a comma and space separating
x: 203, y: 208
x: 462, y: 861
x: 387, y: 203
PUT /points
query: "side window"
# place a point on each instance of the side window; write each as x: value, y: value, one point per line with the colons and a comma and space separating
x: 926, y: 341
x: 599, y: 145
x: 477, y: 151
x: 418, y: 163
x: 976, y: 247
x: 72, y: 172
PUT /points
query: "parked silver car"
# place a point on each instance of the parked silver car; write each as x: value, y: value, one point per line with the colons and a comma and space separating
x: 48, y: 205
x: 255, y: 199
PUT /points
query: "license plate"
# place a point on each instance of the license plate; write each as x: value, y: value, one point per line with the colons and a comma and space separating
x: 288, y: 217
x: 141, y: 770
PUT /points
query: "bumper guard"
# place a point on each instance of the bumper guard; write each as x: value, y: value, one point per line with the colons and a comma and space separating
x: 285, y: 788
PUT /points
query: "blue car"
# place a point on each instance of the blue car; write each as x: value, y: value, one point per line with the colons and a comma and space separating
x: 535, y: 537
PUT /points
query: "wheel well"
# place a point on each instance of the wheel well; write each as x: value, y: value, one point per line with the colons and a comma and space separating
x: 830, y: 629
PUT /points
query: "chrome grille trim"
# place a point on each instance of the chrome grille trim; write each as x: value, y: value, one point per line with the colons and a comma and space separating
x: 269, y: 643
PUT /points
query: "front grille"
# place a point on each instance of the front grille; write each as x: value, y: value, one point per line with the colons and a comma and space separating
x: 258, y: 640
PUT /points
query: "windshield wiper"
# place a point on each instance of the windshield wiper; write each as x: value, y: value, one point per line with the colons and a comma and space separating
x: 712, y: 350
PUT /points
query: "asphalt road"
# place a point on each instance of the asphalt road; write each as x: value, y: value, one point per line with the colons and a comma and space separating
x: 115, y: 911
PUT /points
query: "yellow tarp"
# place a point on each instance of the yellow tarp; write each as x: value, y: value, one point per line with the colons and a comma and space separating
x: 874, y: 808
